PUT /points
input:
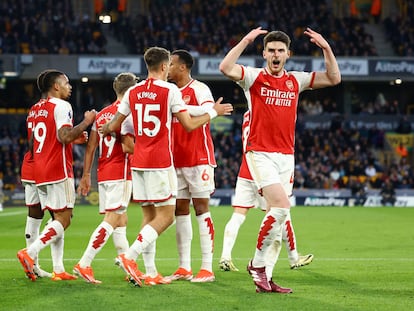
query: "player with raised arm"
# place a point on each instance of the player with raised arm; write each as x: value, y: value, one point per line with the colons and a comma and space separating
x: 114, y: 183
x: 53, y: 135
x: 152, y: 103
x: 272, y: 95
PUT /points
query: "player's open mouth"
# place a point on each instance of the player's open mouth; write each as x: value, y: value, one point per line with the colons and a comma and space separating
x: 276, y: 62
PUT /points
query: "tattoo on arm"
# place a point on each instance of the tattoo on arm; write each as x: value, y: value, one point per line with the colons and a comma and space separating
x: 69, y: 134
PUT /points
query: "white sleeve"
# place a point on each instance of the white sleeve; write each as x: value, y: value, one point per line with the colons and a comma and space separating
x: 249, y: 76
x: 127, y: 127
x: 204, y: 100
x: 124, y: 107
x: 304, y: 79
x: 199, y: 110
x: 63, y: 113
x: 175, y: 100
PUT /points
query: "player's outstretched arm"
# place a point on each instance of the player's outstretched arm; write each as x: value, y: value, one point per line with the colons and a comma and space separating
x: 332, y: 75
x: 191, y: 123
x: 228, y: 65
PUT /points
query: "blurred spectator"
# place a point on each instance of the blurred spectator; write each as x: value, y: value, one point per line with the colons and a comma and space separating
x: 404, y: 126
x: 401, y: 150
x: 388, y: 196
x: 358, y: 191
x: 370, y: 170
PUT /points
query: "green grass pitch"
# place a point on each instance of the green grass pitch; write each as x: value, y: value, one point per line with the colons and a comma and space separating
x: 364, y: 260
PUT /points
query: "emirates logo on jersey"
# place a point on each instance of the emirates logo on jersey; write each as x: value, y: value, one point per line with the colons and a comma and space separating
x: 289, y: 84
x: 187, y: 99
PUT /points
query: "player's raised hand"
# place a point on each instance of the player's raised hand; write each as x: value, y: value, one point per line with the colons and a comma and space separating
x: 253, y: 34
x: 316, y: 38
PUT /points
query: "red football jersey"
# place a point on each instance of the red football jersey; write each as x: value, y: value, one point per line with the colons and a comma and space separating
x: 27, y: 171
x: 272, y: 102
x: 113, y: 163
x: 244, y: 171
x: 152, y: 103
x: 195, y: 147
x: 53, y: 160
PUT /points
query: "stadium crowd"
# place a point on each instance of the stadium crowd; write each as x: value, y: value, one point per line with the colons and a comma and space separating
x: 325, y: 158
x: 400, y: 30
x: 41, y: 27
x: 212, y: 28
x: 48, y: 27
x: 208, y: 28
x: 333, y: 158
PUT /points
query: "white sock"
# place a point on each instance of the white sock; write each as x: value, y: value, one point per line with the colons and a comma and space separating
x: 206, y: 228
x: 230, y: 234
x: 56, y: 249
x: 272, y: 256
x: 50, y: 233
x: 148, y: 255
x: 97, y: 241
x: 32, y: 229
x: 146, y: 236
x: 289, y: 237
x: 270, y: 228
x: 120, y: 240
x: 31, y: 232
x: 184, y: 236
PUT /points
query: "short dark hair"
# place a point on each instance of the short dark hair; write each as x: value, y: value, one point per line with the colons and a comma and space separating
x: 155, y: 56
x: 123, y: 82
x: 39, y: 80
x: 49, y: 78
x: 185, y: 57
x: 277, y: 35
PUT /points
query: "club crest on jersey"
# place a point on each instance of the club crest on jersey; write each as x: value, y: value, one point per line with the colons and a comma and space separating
x: 187, y: 99
x: 289, y: 84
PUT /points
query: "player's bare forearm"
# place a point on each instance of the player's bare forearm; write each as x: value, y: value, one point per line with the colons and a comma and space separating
x: 69, y: 134
x: 332, y: 75
x: 127, y: 144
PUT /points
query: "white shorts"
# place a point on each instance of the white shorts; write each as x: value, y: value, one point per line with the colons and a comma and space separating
x: 31, y: 194
x: 114, y: 196
x: 195, y: 182
x: 268, y: 168
x: 247, y: 195
x: 58, y: 196
x: 154, y: 186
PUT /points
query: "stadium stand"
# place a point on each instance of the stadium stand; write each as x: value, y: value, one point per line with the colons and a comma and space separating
x: 44, y: 27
